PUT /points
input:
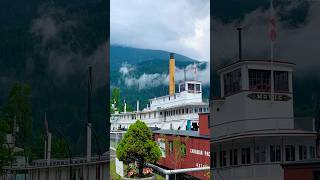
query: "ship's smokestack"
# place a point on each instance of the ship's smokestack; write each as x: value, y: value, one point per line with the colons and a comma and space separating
x: 240, y: 43
x: 171, y: 75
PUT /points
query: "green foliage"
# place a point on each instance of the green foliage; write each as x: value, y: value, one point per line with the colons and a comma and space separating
x: 179, y: 150
x: 59, y: 148
x: 138, y: 146
x: 118, y: 101
x: 115, y: 100
x: 18, y: 106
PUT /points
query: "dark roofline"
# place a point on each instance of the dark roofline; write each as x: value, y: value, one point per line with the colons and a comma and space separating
x: 204, y: 113
x: 184, y: 135
x: 256, y: 60
x: 299, y: 164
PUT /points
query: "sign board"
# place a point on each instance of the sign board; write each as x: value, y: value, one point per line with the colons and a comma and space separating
x: 199, y: 152
x: 162, y: 146
x: 119, y: 167
x: 267, y: 97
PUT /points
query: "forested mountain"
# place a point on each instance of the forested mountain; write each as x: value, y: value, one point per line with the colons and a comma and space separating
x: 49, y: 46
x: 141, y: 73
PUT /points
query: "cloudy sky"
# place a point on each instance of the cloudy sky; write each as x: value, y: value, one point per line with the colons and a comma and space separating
x: 180, y: 26
x: 297, y: 32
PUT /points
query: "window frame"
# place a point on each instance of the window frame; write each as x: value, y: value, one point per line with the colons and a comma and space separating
x: 232, y: 82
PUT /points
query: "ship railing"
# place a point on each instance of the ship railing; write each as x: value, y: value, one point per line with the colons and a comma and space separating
x: 240, y: 126
x: 305, y: 123
x: 167, y: 173
x: 194, y: 91
x: 76, y: 160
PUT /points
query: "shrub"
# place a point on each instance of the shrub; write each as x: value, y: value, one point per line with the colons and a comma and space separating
x: 138, y: 147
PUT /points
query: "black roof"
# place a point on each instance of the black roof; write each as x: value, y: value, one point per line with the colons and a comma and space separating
x: 182, y: 133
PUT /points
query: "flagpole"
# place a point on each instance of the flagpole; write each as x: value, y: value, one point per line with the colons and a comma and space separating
x: 272, y: 50
x: 272, y: 75
x: 195, y: 71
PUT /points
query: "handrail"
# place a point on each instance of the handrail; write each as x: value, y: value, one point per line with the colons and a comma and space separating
x: 176, y: 171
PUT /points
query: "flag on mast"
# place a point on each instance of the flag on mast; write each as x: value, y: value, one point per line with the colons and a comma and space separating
x: 273, y: 32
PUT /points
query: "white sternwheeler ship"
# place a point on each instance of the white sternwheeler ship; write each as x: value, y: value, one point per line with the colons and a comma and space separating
x: 254, y: 128
x: 176, y: 111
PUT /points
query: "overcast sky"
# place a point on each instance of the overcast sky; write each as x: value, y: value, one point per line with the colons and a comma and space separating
x: 180, y: 26
x: 298, y: 43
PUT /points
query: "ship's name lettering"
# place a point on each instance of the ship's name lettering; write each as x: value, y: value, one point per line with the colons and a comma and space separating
x: 266, y: 97
x: 199, y: 152
x: 199, y: 165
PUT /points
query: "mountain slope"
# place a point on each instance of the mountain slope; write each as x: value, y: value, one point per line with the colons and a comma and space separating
x: 121, y: 54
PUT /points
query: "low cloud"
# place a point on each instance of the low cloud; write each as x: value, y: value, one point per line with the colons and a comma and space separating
x: 126, y: 69
x: 147, y: 81
x: 62, y: 59
x: 175, y: 26
x: 49, y: 23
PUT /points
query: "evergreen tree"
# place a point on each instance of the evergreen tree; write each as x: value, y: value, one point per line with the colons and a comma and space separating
x: 137, y: 146
x: 18, y: 108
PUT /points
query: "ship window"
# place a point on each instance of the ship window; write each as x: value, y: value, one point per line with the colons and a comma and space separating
x: 183, y: 149
x: 302, y: 152
x: 259, y: 80
x: 245, y: 156
x: 275, y: 153
x: 182, y: 87
x: 182, y: 111
x: 160, y: 113
x: 200, y: 109
x: 170, y: 146
x: 232, y: 82
x: 198, y: 87
x: 312, y: 152
x: 290, y: 153
x: 195, y: 126
x: 195, y: 110
x: 214, y: 159
x: 260, y: 154
x: 186, y: 111
x: 154, y: 115
x: 281, y: 83
x: 223, y: 158
x: 190, y: 87
x: 233, y: 157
